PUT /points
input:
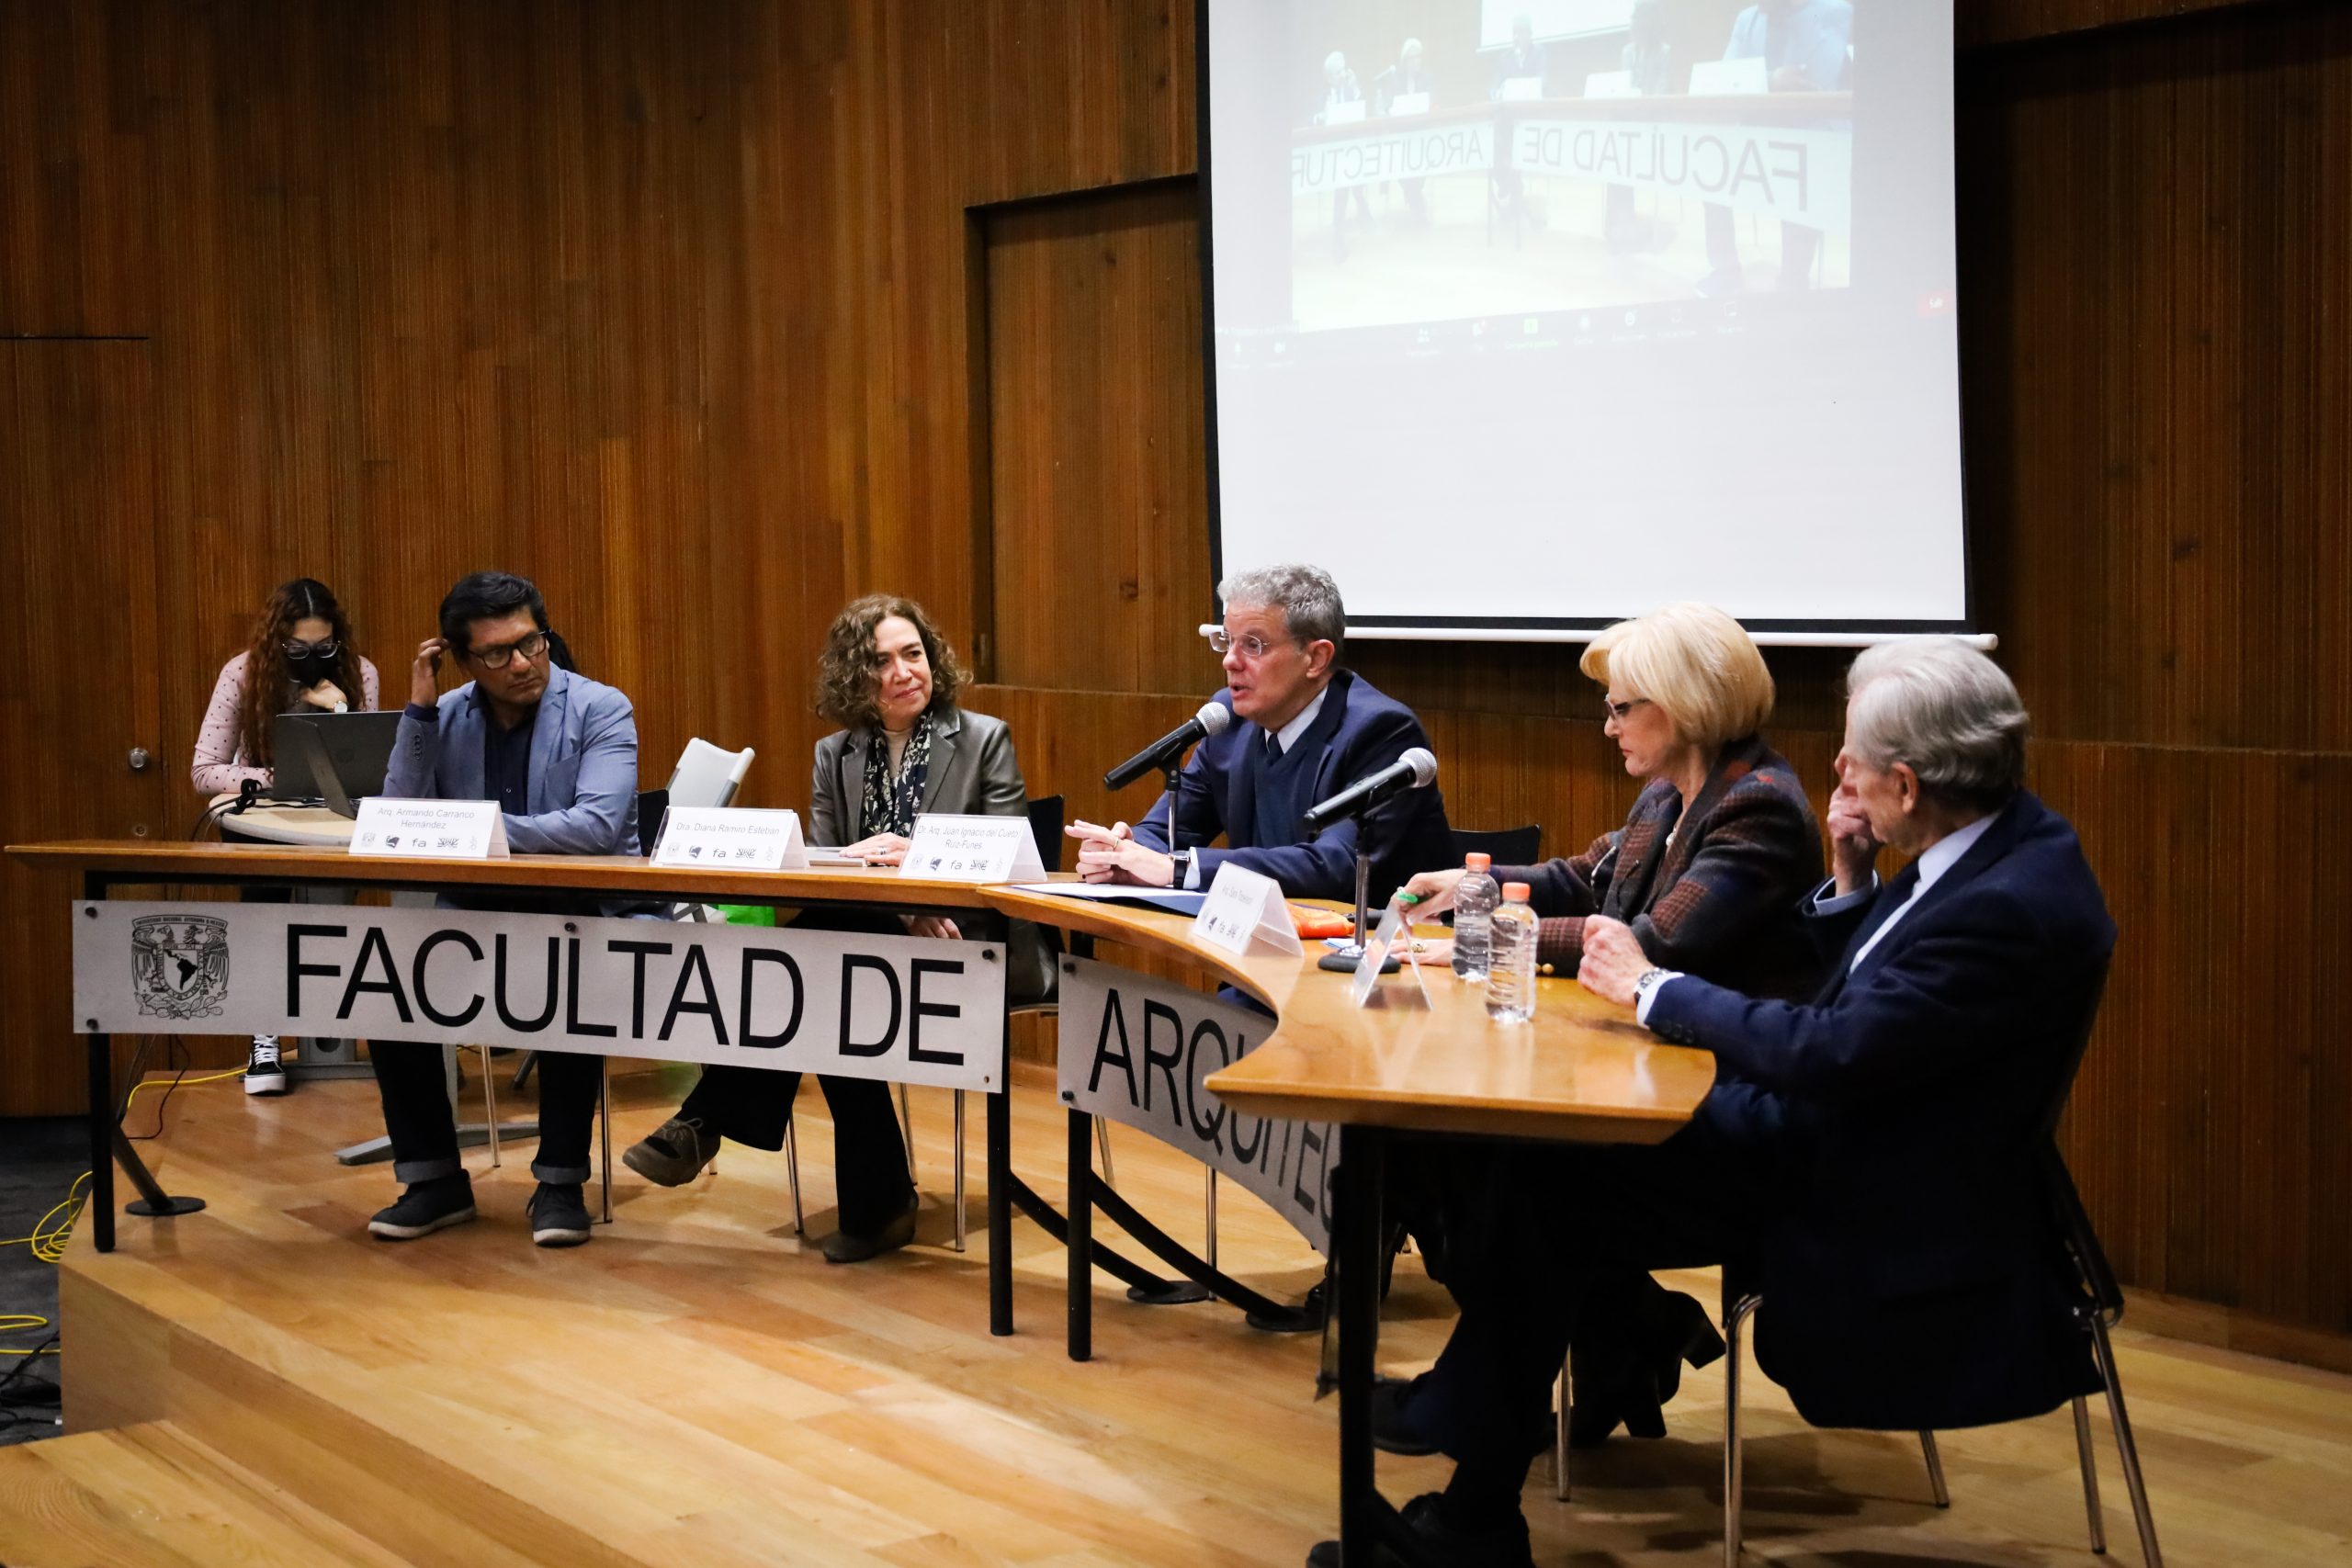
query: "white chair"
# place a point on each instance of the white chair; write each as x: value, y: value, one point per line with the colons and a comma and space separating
x: 706, y: 775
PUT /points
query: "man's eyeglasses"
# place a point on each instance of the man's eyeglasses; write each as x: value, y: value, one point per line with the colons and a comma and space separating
x: 1253, y: 646
x: 325, y: 648
x: 1618, y: 711
x: 497, y: 657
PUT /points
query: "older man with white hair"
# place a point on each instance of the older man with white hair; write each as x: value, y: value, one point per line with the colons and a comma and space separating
x: 1867, y: 1159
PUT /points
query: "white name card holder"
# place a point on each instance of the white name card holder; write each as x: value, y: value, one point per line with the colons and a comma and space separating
x: 1343, y: 114
x: 1522, y: 89
x: 1244, y: 913
x: 1388, y: 937
x: 972, y: 849
x: 1726, y: 78
x: 429, y: 829
x: 1611, y: 85
x: 733, y: 838
x: 1406, y: 104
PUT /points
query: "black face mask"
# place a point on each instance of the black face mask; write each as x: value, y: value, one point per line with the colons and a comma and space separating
x: 312, y: 668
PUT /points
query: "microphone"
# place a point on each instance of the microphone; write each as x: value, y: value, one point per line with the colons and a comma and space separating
x: 1213, y: 718
x: 1415, y: 770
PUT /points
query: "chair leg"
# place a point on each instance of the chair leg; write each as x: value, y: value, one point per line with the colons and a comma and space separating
x: 907, y: 1129
x: 1210, y: 1257
x: 1935, y: 1469
x: 2125, y: 1446
x: 792, y: 1175
x: 2090, y: 1474
x: 1560, y: 1432
x: 1102, y: 1144
x: 1735, y: 1321
x: 605, y: 1126
x: 959, y: 1171
x: 489, y: 1105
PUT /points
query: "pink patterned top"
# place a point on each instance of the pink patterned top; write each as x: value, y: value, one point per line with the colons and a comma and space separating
x: 219, y: 766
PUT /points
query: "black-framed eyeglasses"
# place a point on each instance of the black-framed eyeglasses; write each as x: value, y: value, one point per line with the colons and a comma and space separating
x: 1618, y: 711
x: 1252, y: 646
x: 499, y: 656
x: 325, y: 648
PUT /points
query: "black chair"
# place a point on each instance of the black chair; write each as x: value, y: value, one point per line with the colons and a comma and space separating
x: 1509, y: 846
x: 2100, y: 1308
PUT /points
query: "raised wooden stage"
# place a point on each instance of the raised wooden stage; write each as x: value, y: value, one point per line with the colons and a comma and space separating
x: 264, y: 1383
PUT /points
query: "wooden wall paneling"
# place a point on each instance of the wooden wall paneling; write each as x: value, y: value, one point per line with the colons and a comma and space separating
x: 78, y: 663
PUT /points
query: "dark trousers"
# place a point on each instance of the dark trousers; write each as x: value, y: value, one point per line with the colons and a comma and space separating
x: 1556, y: 1232
x: 424, y: 1124
x: 752, y: 1105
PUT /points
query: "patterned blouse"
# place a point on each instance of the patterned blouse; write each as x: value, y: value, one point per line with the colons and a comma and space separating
x: 220, y: 765
x: 889, y: 803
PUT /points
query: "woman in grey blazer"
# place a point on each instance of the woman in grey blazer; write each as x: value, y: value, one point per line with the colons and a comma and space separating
x: 889, y: 679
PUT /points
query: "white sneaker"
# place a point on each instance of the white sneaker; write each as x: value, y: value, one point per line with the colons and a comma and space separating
x: 264, y: 1074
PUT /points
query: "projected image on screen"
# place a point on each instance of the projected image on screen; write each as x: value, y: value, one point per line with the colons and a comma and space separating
x: 1649, y: 300
x: 1565, y: 156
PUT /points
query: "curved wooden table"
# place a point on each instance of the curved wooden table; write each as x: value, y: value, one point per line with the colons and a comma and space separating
x: 1581, y: 1070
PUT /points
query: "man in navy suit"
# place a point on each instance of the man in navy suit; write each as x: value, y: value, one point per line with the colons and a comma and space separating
x: 1866, y: 1160
x: 1309, y: 730
x: 558, y: 751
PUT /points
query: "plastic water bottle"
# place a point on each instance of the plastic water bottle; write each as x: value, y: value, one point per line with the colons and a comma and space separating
x: 1510, y: 974
x: 1475, y: 898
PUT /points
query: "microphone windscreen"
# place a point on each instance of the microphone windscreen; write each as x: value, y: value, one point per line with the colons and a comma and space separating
x: 1424, y: 765
x: 1216, y: 718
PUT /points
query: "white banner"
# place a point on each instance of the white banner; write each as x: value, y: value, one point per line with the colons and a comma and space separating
x: 903, y: 1009
x: 1801, y: 175
x: 1136, y: 1049
x: 1407, y: 154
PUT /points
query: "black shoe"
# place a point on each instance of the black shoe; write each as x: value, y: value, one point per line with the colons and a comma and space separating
x: 1305, y: 1318
x: 842, y: 1247
x: 426, y: 1207
x: 1499, y: 1546
x: 1393, y: 1428
x: 559, y: 1214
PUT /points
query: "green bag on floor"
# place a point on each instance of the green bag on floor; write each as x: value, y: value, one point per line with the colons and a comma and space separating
x: 747, y: 914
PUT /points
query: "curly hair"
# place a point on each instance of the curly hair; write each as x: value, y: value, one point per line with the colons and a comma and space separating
x: 265, y: 673
x: 847, y: 688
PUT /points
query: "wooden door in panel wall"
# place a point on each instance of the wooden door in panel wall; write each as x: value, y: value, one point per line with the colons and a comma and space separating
x: 1098, y: 491
x: 79, y: 670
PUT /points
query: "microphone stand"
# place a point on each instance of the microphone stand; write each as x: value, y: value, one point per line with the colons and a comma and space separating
x: 1348, y: 959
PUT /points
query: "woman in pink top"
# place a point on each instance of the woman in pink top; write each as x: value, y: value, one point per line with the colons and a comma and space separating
x: 301, y: 650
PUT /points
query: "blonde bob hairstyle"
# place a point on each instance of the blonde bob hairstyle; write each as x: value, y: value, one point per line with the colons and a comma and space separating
x: 1696, y: 663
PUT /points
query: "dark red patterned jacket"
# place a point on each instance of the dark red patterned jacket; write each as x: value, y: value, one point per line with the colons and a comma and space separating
x: 1713, y: 891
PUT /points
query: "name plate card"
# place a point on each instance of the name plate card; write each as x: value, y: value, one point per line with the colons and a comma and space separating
x: 736, y: 838
x: 1245, y: 913
x: 429, y: 829
x: 1390, y: 936
x: 949, y: 848
x: 1404, y: 104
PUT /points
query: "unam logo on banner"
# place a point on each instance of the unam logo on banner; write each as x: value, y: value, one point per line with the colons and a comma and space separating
x: 179, y: 965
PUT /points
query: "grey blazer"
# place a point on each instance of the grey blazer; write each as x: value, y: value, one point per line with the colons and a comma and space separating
x: 973, y: 773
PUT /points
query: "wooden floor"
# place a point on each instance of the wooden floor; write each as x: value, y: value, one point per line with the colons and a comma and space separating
x: 263, y: 1383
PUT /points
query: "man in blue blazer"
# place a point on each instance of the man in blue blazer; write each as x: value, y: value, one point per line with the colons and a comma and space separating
x: 1309, y: 730
x: 1867, y: 1160
x: 558, y: 751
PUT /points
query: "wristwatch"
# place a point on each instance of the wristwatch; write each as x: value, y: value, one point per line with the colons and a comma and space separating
x: 1179, y: 868
x: 1650, y: 981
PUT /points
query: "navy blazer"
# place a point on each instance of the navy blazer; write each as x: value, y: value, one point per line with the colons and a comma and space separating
x: 1358, y: 732
x: 583, y: 766
x: 1913, y: 1277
